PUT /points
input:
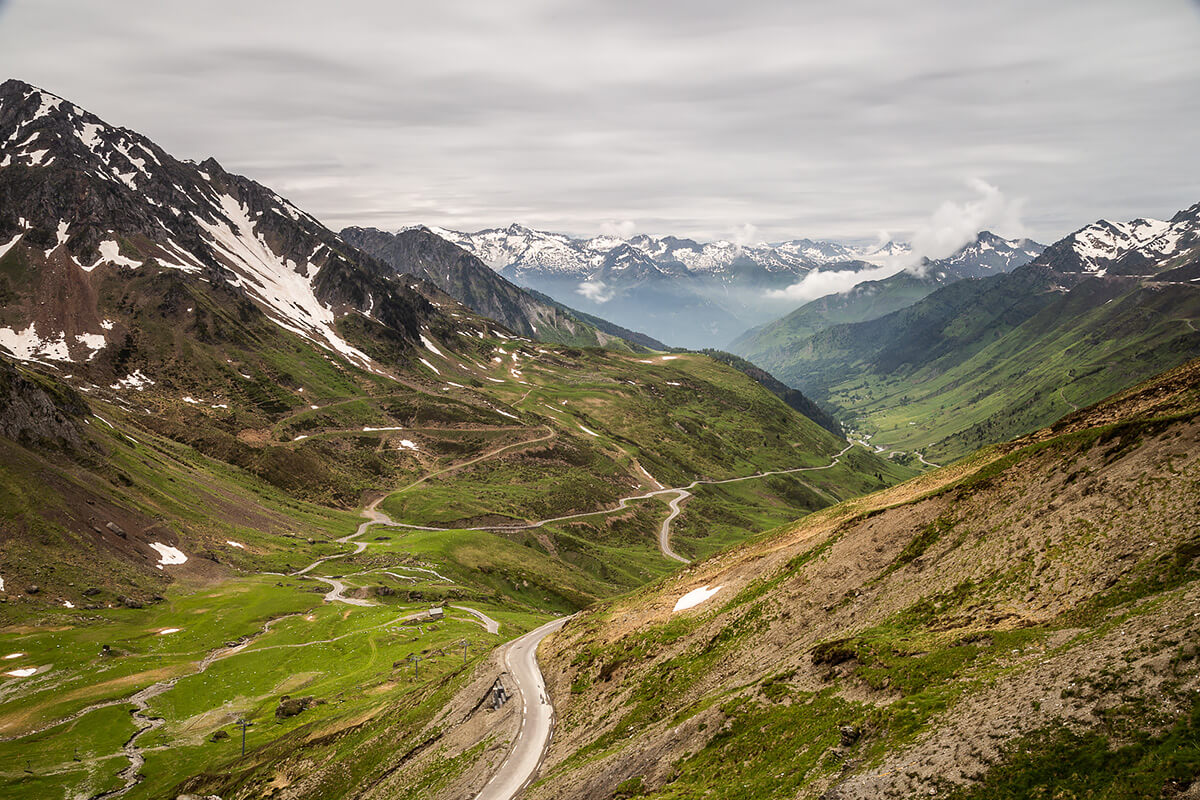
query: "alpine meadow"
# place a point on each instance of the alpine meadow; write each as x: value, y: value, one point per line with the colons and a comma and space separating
x: 553, y: 400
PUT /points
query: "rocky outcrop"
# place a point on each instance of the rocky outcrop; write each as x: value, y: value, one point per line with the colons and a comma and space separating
x: 38, y: 413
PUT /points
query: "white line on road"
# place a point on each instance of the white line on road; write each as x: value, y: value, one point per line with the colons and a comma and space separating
x: 537, y: 717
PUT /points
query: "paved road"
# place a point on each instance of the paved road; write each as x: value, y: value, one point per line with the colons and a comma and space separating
x: 921, y: 458
x: 664, y: 532
x: 681, y: 493
x: 374, y: 517
x: 337, y: 593
x: 489, y: 624
x: 537, y: 716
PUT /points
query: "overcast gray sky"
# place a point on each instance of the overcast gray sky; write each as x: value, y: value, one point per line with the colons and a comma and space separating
x: 695, y: 117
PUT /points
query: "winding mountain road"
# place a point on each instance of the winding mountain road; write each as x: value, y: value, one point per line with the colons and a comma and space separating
x: 1065, y: 400
x: 520, y: 655
x: 489, y: 624
x: 921, y: 458
x: 337, y: 594
x: 681, y: 493
x: 520, y: 658
x: 537, y: 716
x: 664, y: 531
x: 374, y: 517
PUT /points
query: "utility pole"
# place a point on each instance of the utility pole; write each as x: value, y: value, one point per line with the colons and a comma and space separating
x: 465, y: 646
x: 243, y: 724
x: 416, y: 659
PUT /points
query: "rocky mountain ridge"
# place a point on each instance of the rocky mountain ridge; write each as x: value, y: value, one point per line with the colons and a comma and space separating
x: 461, y: 275
x: 1097, y: 311
x: 987, y: 254
x: 81, y: 200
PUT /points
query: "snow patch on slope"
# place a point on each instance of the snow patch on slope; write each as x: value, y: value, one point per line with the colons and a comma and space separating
x: 110, y: 253
x: 134, y: 380
x: 431, y: 347
x: 94, y: 342
x: 4, y: 248
x: 287, y: 292
x: 167, y: 555
x: 26, y: 345
x: 694, y: 598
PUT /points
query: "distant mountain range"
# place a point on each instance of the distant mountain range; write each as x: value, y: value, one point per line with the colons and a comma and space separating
x: 464, y: 277
x: 195, y: 307
x: 983, y: 359
x: 522, y: 251
x: 681, y: 291
x: 988, y: 254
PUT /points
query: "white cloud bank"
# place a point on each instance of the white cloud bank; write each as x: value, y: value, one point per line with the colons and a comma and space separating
x: 596, y: 291
x: 625, y: 229
x: 953, y: 225
x: 819, y: 283
x: 744, y: 235
x: 948, y: 228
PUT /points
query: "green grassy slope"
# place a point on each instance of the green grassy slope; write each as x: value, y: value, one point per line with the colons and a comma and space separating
x: 230, y: 462
x: 792, y: 397
x: 1021, y: 624
x: 1082, y: 347
x: 981, y: 361
x: 866, y: 301
x: 987, y: 254
x: 957, y: 319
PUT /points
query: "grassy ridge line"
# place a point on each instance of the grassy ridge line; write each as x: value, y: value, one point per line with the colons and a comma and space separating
x: 615, y: 667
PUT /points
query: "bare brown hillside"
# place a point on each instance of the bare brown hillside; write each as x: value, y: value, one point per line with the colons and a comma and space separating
x: 1024, y: 621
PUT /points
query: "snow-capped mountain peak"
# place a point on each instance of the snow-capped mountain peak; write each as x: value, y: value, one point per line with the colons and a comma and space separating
x: 987, y: 254
x: 96, y: 196
x: 1104, y: 241
x: 520, y: 251
x: 1140, y: 247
